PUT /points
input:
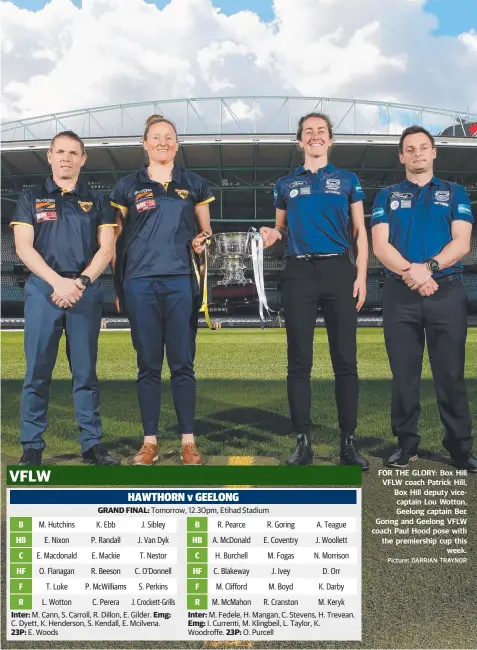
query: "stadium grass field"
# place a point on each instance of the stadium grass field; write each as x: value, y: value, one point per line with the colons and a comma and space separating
x: 242, y: 418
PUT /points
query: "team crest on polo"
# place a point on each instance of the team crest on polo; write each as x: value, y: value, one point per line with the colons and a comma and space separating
x: 333, y: 184
x: 85, y: 205
x: 442, y: 196
x: 183, y: 193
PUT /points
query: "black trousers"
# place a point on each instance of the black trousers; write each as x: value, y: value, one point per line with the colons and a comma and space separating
x: 307, y: 285
x: 441, y: 319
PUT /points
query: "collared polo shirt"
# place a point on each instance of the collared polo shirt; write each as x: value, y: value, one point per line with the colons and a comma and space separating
x: 160, y: 222
x: 317, y: 208
x: 65, y: 223
x: 420, y: 218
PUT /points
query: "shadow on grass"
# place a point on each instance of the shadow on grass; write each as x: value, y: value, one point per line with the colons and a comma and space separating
x: 424, y: 453
x: 233, y: 418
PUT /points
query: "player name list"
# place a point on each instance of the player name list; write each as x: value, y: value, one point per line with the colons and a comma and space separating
x: 193, y: 564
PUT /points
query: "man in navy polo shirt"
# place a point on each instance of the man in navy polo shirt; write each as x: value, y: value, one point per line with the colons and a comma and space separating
x: 421, y: 230
x: 320, y: 204
x: 64, y: 233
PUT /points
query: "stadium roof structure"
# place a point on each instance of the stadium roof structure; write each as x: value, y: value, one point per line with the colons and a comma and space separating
x: 241, y: 145
x: 242, y: 115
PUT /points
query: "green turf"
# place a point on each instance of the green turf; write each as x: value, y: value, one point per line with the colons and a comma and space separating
x: 241, y: 404
x: 242, y: 410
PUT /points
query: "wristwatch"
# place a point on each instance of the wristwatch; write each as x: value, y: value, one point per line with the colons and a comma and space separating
x: 85, y: 280
x: 433, y: 265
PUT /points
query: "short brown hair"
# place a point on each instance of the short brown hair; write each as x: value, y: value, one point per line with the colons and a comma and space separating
x: 411, y: 130
x: 157, y: 119
x: 68, y: 134
x: 322, y: 116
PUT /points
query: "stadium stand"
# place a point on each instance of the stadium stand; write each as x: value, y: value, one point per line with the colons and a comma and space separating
x: 108, y: 287
x: 373, y: 287
x: 241, y: 160
x: 471, y: 258
x: 9, y: 255
x: 11, y: 289
x: 14, y: 277
x: 470, y: 284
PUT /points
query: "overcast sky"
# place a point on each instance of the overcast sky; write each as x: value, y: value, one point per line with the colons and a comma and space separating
x: 64, y: 55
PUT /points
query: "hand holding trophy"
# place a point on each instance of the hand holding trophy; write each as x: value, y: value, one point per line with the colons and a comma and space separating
x: 270, y: 236
x: 232, y: 248
x: 199, y: 242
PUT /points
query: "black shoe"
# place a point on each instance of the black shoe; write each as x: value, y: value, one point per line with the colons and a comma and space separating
x: 466, y: 462
x: 461, y: 460
x: 402, y: 457
x: 303, y: 454
x: 31, y: 457
x: 98, y: 455
x: 349, y: 452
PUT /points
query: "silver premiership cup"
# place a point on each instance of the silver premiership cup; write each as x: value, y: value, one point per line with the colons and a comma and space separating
x: 232, y: 248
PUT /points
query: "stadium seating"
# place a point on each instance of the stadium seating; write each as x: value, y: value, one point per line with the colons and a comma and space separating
x: 373, y: 288
x: 13, y: 279
x: 9, y: 255
x: 10, y: 289
x: 471, y: 258
x: 373, y: 262
x: 108, y: 287
x: 470, y: 284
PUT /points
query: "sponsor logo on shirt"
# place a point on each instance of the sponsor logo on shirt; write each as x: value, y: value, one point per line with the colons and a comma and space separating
x: 378, y: 212
x: 85, y: 205
x: 293, y: 193
x: 401, y: 195
x: 275, y: 194
x: 394, y: 205
x: 143, y: 194
x: 148, y: 204
x: 406, y: 203
x: 45, y: 210
x: 144, y: 200
x: 442, y: 196
x: 45, y: 204
x: 305, y: 190
x: 183, y: 193
x: 462, y: 208
x: 45, y: 216
x: 297, y: 184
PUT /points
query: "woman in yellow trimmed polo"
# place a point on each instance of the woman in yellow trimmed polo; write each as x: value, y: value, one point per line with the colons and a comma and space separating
x: 160, y: 209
